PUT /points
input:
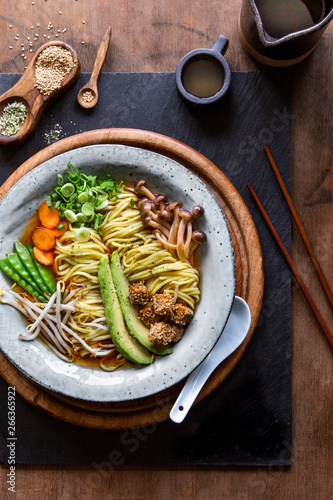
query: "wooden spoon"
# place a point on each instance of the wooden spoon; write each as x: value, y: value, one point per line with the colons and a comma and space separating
x: 25, y: 91
x: 90, y: 89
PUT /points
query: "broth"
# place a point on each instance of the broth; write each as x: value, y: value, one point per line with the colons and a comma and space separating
x: 203, y: 77
x: 282, y: 17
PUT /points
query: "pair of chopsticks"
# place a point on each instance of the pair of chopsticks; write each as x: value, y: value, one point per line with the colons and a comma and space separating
x: 307, y: 243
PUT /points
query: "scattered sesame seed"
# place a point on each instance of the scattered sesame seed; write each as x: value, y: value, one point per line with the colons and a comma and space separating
x: 30, y: 44
x: 22, y: 48
x: 10, y: 26
x: 37, y: 25
x: 22, y: 44
x: 64, y: 30
x: 32, y: 27
x: 17, y: 34
x: 82, y: 41
x: 83, y: 22
x: 10, y: 47
x: 24, y: 57
x: 59, y: 31
x: 56, y: 35
x: 44, y: 35
x: 28, y: 37
x: 60, y: 12
x: 36, y: 34
x: 30, y: 50
x: 48, y: 37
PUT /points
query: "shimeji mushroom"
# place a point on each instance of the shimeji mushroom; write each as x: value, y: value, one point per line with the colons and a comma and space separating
x: 139, y: 188
x: 198, y: 237
x: 185, y: 225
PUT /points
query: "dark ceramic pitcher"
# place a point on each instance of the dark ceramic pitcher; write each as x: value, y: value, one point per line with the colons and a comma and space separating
x: 283, y: 51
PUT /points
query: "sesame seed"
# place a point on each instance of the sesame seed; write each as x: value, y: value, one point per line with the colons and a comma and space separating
x: 52, y: 66
x: 56, y: 35
x: 35, y: 39
x: 48, y: 37
x: 82, y: 41
x: 32, y: 27
x: 24, y: 57
x: 60, y: 12
x: 59, y: 31
x: 64, y: 30
x: 28, y: 37
x: 10, y: 26
x: 17, y: 35
x: 30, y: 50
x: 22, y: 44
x: 10, y: 47
x: 83, y: 22
x: 36, y: 34
x: 37, y: 25
x: 22, y: 48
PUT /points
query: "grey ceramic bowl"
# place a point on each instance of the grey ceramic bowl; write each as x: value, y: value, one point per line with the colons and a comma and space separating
x: 217, y: 277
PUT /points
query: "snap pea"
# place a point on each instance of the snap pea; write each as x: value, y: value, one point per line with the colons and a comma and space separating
x: 16, y: 262
x: 8, y: 269
x: 45, y: 272
x: 30, y: 266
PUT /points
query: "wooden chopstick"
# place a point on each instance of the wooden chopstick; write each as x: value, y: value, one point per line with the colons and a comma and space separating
x: 292, y: 266
x: 300, y: 226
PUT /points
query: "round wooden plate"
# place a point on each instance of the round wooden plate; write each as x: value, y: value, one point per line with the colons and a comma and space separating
x: 249, y: 278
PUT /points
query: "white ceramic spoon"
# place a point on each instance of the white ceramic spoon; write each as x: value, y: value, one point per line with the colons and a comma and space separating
x: 232, y: 336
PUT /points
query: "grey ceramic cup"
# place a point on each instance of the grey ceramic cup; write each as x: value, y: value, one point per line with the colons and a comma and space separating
x: 216, y: 52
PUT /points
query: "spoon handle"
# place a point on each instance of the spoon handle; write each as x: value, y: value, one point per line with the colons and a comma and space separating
x: 233, y: 335
x: 101, y: 54
x: 191, y: 389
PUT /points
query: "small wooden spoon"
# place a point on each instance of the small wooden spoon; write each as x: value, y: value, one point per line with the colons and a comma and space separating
x: 25, y: 91
x: 90, y: 89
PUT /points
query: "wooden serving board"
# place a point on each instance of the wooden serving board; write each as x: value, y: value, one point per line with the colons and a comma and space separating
x: 249, y: 279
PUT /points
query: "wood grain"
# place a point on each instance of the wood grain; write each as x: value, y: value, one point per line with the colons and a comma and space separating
x: 153, y: 36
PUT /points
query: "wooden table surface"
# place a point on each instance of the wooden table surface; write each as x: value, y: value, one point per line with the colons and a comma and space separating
x: 153, y: 36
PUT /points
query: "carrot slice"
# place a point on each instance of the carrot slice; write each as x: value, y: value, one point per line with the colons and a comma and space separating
x: 49, y: 218
x: 43, y: 239
x: 58, y: 232
x: 45, y: 257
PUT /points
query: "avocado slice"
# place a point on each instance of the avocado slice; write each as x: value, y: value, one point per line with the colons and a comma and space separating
x: 125, y: 343
x: 134, y: 324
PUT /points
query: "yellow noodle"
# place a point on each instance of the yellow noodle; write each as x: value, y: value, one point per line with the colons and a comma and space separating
x: 143, y: 256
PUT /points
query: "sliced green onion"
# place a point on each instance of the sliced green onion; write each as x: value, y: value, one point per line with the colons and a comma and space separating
x: 80, y: 217
x: 102, y: 205
x: 67, y: 190
x: 132, y: 203
x: 49, y: 202
x: 70, y: 215
x: 82, y: 234
x: 60, y: 180
x: 61, y: 226
x: 87, y: 209
x: 83, y: 197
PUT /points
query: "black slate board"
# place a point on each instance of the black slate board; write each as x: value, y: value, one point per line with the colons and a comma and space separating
x: 247, y: 420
